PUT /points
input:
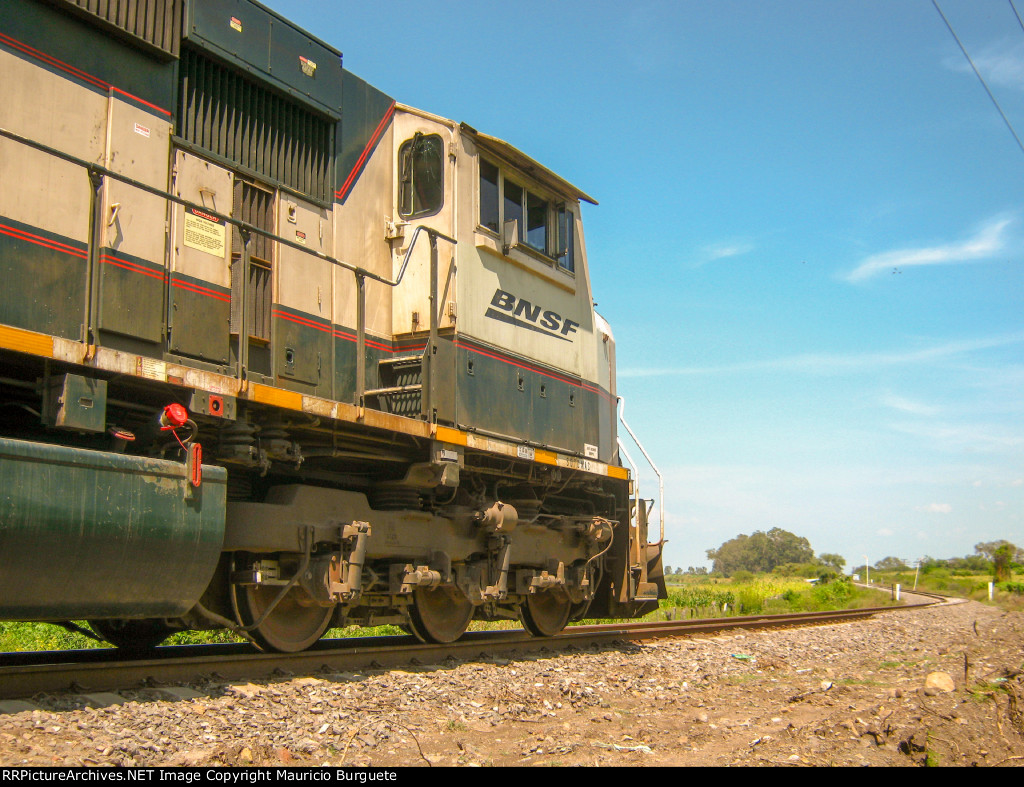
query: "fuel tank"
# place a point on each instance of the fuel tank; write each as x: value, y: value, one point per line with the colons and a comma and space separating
x: 93, y: 534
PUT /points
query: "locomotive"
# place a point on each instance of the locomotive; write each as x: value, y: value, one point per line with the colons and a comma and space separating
x: 279, y: 353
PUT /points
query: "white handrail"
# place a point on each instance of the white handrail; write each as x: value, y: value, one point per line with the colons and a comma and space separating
x: 661, y: 480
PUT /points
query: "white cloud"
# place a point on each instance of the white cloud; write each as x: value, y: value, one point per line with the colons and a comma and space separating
x: 935, y: 508
x: 990, y: 239
x: 1001, y: 64
x: 832, y: 363
x: 722, y: 251
x: 966, y: 438
x: 908, y: 405
x: 884, y: 532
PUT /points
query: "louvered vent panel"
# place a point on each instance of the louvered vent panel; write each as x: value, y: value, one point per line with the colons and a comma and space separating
x: 157, y: 22
x: 247, y: 124
x: 254, y: 206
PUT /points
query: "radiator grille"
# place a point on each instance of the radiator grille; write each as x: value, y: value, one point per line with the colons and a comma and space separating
x: 157, y: 22
x: 250, y: 126
x: 254, y: 206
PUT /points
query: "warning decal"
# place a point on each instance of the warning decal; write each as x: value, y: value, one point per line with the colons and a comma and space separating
x: 205, y: 233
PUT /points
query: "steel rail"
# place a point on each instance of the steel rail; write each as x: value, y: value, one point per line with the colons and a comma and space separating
x: 23, y: 675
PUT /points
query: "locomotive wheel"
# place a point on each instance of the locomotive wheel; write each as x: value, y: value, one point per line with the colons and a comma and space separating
x: 545, y: 614
x: 125, y: 634
x: 439, y: 615
x: 293, y: 625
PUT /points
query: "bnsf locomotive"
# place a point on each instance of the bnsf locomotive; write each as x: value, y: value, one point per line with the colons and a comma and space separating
x: 277, y: 352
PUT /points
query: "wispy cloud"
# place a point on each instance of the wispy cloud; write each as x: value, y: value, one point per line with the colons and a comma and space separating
x: 1000, y: 63
x: 935, y: 508
x: 836, y: 363
x: 966, y: 438
x: 721, y: 251
x: 910, y: 406
x: 989, y: 240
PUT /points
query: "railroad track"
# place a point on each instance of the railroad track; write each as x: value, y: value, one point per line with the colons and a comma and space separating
x: 95, y: 674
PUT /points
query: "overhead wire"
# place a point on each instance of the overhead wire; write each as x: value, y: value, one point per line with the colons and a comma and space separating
x: 977, y: 73
x: 1019, y: 20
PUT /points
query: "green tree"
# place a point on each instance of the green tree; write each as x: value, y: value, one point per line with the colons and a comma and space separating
x: 1001, y: 560
x: 890, y: 564
x: 988, y: 549
x: 760, y: 552
x: 832, y: 560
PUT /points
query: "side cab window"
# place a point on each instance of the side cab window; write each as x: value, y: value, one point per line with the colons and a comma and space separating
x: 421, y: 176
x: 544, y: 226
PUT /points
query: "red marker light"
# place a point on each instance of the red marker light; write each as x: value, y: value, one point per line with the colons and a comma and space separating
x: 174, y: 415
x: 194, y: 464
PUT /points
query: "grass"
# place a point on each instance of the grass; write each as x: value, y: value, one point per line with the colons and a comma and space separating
x: 765, y: 594
x: 971, y: 585
x: 695, y: 597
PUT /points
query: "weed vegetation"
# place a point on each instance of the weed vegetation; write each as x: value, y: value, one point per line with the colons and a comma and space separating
x: 747, y: 594
x: 973, y: 585
x: 689, y: 596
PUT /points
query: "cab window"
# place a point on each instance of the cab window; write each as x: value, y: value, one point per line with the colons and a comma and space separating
x: 544, y: 226
x: 421, y: 176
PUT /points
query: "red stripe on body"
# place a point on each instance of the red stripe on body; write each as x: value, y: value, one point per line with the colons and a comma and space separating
x: 76, y: 72
x: 374, y: 138
x: 133, y: 267
x: 41, y: 241
x: 183, y: 285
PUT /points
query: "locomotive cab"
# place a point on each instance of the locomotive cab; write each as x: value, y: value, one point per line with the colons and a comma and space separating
x: 520, y: 351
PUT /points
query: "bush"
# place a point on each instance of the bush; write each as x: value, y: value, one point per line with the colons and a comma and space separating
x: 750, y: 601
x: 832, y: 593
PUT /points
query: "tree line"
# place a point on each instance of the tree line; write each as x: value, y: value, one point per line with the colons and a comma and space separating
x: 1000, y: 558
x: 780, y: 551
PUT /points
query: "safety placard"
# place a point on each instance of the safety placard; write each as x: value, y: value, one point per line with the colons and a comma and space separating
x: 205, y: 233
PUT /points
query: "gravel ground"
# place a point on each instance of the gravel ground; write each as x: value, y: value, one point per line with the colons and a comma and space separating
x: 886, y: 691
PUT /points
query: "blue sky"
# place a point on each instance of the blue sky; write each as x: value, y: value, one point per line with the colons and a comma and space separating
x: 809, y: 241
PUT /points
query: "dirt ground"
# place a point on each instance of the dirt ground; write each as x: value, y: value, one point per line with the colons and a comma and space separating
x: 942, y: 686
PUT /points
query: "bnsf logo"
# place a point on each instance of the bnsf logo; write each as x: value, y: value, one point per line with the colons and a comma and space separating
x: 506, y: 307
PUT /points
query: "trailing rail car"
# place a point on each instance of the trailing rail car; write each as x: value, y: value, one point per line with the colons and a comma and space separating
x: 278, y: 352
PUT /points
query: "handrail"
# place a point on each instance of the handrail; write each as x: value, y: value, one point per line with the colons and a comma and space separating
x: 361, y: 315
x: 96, y: 172
x: 408, y: 252
x: 92, y: 167
x: 661, y: 480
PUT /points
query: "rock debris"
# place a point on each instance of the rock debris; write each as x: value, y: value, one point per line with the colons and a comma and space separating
x: 938, y: 686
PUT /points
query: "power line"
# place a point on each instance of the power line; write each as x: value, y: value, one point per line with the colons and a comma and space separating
x: 1019, y: 21
x: 978, y: 73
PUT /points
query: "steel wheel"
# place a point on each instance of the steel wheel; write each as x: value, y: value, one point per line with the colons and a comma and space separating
x: 439, y: 615
x: 544, y: 614
x: 143, y: 634
x: 293, y: 625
